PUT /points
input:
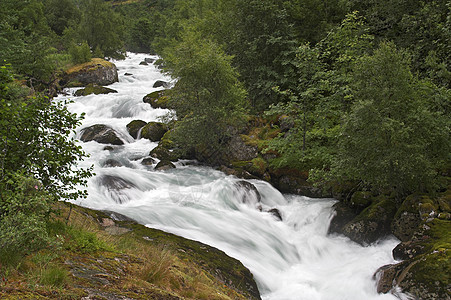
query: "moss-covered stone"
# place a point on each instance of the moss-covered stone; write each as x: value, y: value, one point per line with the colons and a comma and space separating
x: 97, y: 71
x: 134, y: 127
x: 373, y: 222
x: 153, y: 131
x: 360, y: 200
x: 158, y: 99
x: 93, y: 89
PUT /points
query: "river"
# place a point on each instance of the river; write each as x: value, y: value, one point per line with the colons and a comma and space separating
x: 290, y: 259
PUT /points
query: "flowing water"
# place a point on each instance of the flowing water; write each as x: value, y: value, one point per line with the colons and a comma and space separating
x: 290, y: 259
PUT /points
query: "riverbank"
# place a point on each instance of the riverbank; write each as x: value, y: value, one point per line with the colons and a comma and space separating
x: 97, y: 256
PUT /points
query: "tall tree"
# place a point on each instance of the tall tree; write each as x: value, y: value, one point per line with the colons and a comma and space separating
x: 391, y: 140
x: 208, y: 97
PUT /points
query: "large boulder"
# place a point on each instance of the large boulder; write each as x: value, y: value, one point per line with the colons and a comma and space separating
x: 93, y: 89
x: 372, y: 223
x: 134, y: 127
x: 425, y: 271
x: 97, y: 71
x: 100, y: 133
x: 157, y: 99
x: 153, y: 131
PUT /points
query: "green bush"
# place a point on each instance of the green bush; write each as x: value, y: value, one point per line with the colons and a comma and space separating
x: 24, y: 209
x: 80, y: 53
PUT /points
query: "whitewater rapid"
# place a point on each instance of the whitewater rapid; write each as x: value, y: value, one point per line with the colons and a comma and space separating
x: 290, y: 259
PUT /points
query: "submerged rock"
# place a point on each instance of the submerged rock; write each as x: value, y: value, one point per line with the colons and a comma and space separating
x: 115, y: 186
x: 100, y: 133
x: 93, y: 89
x: 276, y: 213
x: 246, y: 192
x: 148, y: 161
x: 97, y: 71
x: 134, y: 126
x: 164, y: 165
x: 109, y: 163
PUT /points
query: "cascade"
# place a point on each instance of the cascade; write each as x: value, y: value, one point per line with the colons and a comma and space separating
x: 290, y: 259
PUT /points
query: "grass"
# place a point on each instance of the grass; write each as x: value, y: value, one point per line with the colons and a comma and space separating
x: 84, y: 258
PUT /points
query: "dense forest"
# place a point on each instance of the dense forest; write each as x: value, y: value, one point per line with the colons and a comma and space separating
x: 344, y: 92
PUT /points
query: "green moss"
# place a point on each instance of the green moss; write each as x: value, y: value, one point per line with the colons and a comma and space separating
x: 157, y: 99
x: 259, y: 166
x: 381, y: 207
x: 361, y: 199
x: 94, y: 64
x: 94, y: 89
x: 432, y: 272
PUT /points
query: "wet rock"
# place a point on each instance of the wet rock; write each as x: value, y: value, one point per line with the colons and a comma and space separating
x: 134, y: 126
x: 276, y: 213
x: 149, y: 60
x: 246, y: 192
x: 343, y: 214
x: 157, y: 99
x: 153, y: 131
x: 164, y: 165
x: 97, y: 71
x: 372, y: 223
x: 161, y: 83
x: 115, y: 186
x: 407, y: 250
x: 111, y: 163
x: 143, y: 63
x: 128, y: 74
x: 148, y: 161
x: 93, y: 89
x: 100, y: 133
x: 108, y: 148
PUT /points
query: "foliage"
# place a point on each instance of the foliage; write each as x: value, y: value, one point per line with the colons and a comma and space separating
x: 34, y: 138
x: 318, y: 97
x: 80, y: 53
x: 207, y: 96
x: 24, y: 208
x: 101, y: 27
x: 391, y: 140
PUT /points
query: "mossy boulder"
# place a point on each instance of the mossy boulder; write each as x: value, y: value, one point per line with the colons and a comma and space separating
x: 425, y: 273
x: 153, y: 131
x: 93, y: 89
x: 134, y: 126
x: 100, y: 133
x: 163, y: 153
x: 373, y: 222
x: 343, y: 215
x: 164, y: 165
x: 97, y: 71
x: 158, y: 99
